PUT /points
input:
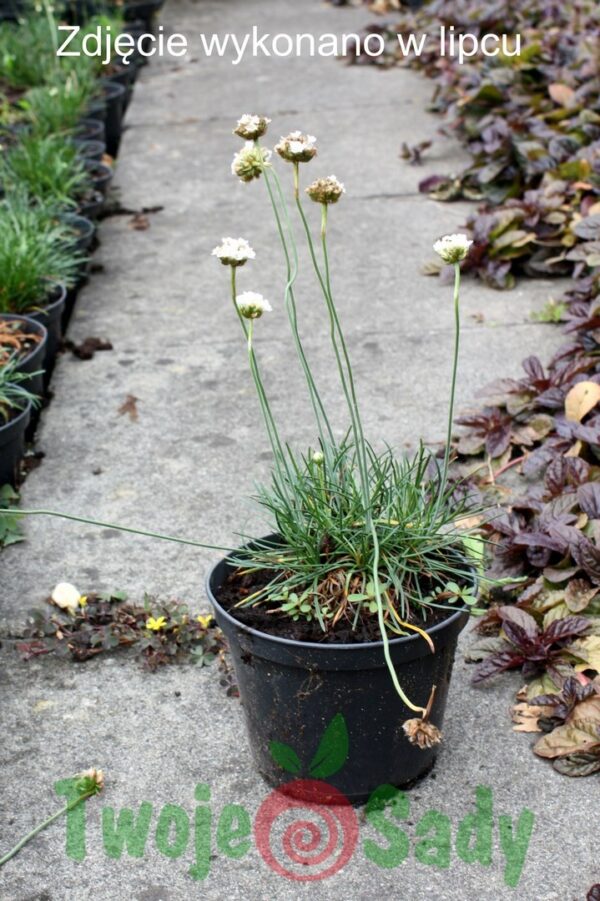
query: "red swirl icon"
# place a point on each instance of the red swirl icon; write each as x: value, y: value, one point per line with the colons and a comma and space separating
x: 305, y: 831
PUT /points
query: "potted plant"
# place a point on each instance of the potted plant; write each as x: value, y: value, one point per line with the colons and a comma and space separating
x: 49, y: 168
x: 26, y: 52
x: 350, y: 610
x: 16, y: 403
x: 38, y: 261
x: 24, y: 339
x: 59, y: 105
x: 353, y: 606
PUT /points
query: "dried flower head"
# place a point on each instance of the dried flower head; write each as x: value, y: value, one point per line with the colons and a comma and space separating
x: 452, y: 248
x: 249, y: 162
x: 297, y: 148
x: 66, y: 596
x: 422, y: 733
x: 90, y: 782
x: 252, y: 305
x: 234, y: 252
x: 251, y: 127
x: 326, y: 190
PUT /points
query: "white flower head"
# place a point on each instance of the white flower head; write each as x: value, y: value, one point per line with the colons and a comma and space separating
x: 453, y: 248
x: 249, y: 162
x: 252, y: 305
x: 234, y: 252
x: 326, y: 190
x: 66, y: 596
x: 297, y: 148
x: 251, y: 127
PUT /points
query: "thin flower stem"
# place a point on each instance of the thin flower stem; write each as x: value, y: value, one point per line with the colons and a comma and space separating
x: 346, y: 355
x: 382, y: 628
x: 345, y: 377
x: 41, y: 827
x: 270, y: 425
x: 323, y: 425
x: 233, y: 298
x: 111, y: 525
x: 361, y: 451
x: 276, y: 445
x: 444, y: 478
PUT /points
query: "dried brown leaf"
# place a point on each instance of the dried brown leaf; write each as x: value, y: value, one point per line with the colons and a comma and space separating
x: 129, y: 406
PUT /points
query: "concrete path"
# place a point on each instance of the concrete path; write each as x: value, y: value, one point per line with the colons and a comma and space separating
x: 190, y: 460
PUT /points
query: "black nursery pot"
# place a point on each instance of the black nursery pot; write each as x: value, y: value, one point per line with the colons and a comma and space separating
x: 90, y: 149
x: 90, y: 130
x: 34, y: 361
x: 142, y: 11
x: 96, y: 112
x: 10, y: 10
x: 125, y: 75
x: 291, y: 690
x: 92, y: 206
x: 114, y: 97
x: 85, y: 230
x: 12, y: 446
x: 50, y: 315
x: 137, y: 30
x: 101, y: 177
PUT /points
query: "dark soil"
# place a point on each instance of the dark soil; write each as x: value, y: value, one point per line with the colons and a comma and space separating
x: 239, y: 586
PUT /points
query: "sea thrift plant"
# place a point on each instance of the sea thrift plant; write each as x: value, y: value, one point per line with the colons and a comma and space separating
x: 363, y: 535
x: 366, y: 540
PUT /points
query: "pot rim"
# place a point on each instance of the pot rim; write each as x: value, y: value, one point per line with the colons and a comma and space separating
x: 325, y: 646
x: 82, y: 224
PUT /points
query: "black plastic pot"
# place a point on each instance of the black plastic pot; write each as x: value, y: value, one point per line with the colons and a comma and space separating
x: 85, y: 230
x: 77, y: 12
x: 291, y: 690
x: 10, y: 10
x: 90, y: 149
x: 33, y: 363
x: 50, y: 315
x: 12, y: 446
x: 114, y: 96
x: 97, y: 112
x: 138, y: 30
x: 92, y: 206
x: 90, y: 130
x: 101, y: 176
x: 143, y: 11
x: 125, y: 76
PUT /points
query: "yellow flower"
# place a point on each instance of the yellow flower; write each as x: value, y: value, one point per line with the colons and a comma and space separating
x: 155, y: 625
x: 83, y: 601
x: 205, y: 621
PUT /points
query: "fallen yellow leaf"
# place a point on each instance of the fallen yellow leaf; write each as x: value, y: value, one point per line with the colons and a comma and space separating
x: 582, y: 398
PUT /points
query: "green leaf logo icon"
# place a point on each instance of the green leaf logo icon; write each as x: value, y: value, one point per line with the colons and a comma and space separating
x: 286, y: 757
x: 332, y: 752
